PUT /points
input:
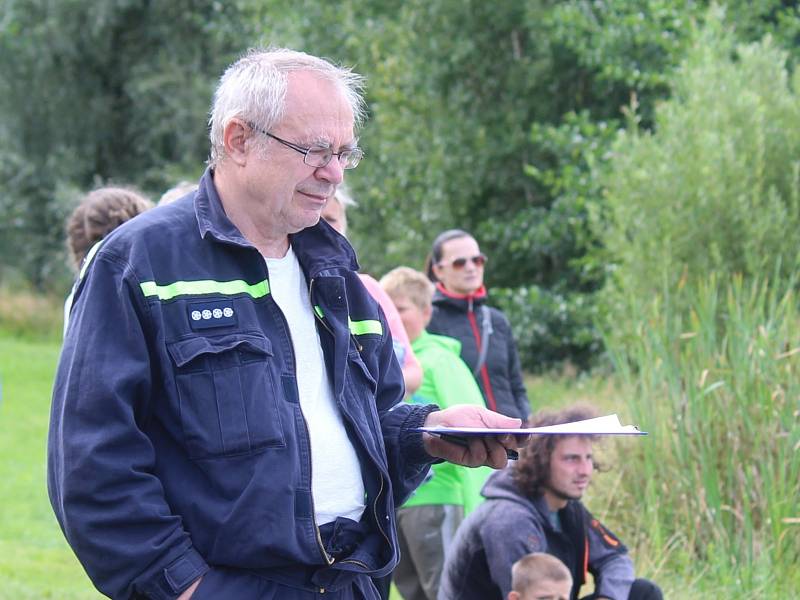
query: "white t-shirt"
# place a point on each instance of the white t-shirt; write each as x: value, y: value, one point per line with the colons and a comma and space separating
x: 336, y: 483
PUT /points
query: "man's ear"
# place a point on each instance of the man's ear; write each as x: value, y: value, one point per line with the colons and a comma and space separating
x: 512, y: 595
x: 427, y: 313
x: 234, y: 138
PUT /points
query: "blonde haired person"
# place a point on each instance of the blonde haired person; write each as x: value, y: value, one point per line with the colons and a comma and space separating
x: 540, y: 576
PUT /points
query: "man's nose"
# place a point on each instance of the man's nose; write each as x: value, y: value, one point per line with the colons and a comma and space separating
x: 332, y: 173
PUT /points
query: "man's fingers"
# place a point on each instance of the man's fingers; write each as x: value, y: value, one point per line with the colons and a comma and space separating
x: 477, y: 452
x: 496, y: 453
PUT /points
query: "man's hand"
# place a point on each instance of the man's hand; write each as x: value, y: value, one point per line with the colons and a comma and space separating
x: 482, y: 450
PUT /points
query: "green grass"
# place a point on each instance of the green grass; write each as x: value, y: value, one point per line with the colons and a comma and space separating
x: 35, y: 561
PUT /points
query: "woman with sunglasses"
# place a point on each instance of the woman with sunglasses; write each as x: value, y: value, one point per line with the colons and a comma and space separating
x: 456, y: 266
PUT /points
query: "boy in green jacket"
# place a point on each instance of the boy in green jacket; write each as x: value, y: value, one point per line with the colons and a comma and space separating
x: 427, y: 522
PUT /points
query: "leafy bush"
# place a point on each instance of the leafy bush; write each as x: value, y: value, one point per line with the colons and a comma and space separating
x: 715, y: 188
x: 703, y: 226
x: 550, y: 328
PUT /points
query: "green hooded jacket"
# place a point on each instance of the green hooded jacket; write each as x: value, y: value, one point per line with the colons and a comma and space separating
x: 447, y: 381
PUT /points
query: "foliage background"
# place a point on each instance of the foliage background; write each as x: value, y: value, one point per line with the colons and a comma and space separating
x: 630, y: 167
x: 496, y: 117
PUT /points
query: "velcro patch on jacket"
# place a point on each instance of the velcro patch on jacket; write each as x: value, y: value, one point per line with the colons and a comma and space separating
x: 204, y: 315
x: 609, y: 539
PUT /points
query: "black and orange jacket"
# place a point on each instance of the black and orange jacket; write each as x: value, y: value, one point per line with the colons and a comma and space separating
x: 500, y: 378
x: 509, y: 525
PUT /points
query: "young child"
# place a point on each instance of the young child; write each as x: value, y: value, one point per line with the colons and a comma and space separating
x: 439, y: 505
x: 540, y: 576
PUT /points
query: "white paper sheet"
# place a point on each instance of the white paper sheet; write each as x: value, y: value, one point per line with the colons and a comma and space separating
x: 608, y: 425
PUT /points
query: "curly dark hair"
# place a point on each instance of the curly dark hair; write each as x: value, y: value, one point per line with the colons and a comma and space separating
x: 533, y: 467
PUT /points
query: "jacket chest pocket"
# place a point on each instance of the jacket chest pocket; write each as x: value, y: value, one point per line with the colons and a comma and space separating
x: 226, y: 394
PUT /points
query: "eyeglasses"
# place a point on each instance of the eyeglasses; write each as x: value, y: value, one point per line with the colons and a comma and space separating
x: 459, y: 263
x: 319, y: 156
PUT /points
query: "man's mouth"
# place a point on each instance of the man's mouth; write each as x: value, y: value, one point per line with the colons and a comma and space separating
x: 321, y: 195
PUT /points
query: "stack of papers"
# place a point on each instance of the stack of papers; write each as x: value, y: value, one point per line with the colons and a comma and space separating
x: 608, y: 425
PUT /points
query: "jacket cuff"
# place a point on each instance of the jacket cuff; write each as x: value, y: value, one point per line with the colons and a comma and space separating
x: 412, y: 445
x: 176, y: 577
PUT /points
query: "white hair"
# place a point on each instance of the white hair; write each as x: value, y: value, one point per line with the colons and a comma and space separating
x: 254, y: 89
x: 179, y: 190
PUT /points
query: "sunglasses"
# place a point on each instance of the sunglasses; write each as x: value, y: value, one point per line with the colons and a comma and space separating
x: 459, y: 263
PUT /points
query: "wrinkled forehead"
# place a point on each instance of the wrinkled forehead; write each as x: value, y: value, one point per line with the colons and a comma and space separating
x: 317, y: 108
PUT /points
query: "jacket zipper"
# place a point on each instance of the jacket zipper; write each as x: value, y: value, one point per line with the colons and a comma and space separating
x: 380, y: 491
x: 329, y: 560
x: 378, y: 523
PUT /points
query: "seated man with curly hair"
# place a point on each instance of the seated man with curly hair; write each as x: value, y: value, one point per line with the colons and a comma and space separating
x: 535, y: 506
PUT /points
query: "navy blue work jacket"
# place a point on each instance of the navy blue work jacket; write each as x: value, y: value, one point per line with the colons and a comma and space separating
x: 177, y: 443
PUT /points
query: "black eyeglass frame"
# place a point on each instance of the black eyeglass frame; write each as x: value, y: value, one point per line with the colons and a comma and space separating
x: 347, y: 153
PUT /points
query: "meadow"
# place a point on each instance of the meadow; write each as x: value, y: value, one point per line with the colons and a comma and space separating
x: 35, y: 561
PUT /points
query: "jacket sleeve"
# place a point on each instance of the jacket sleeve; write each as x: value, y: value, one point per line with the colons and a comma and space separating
x: 515, y: 373
x: 507, y: 538
x: 106, y: 497
x: 609, y: 563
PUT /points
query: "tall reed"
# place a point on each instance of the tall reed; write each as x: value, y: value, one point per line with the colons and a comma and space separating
x: 716, y: 486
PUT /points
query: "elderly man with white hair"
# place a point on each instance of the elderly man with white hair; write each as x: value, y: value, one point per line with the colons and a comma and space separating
x: 226, y: 418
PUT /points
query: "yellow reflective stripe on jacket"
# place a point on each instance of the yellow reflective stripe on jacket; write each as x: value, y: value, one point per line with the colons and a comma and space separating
x: 357, y: 327
x: 205, y: 286
x: 365, y: 327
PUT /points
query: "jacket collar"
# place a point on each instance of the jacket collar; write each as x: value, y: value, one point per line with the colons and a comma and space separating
x: 319, y: 248
x: 211, y: 217
x: 462, y: 301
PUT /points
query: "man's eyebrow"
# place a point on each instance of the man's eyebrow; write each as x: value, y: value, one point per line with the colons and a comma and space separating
x: 326, y: 143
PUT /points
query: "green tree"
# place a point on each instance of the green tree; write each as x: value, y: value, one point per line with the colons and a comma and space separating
x: 715, y: 188
x: 95, y: 93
